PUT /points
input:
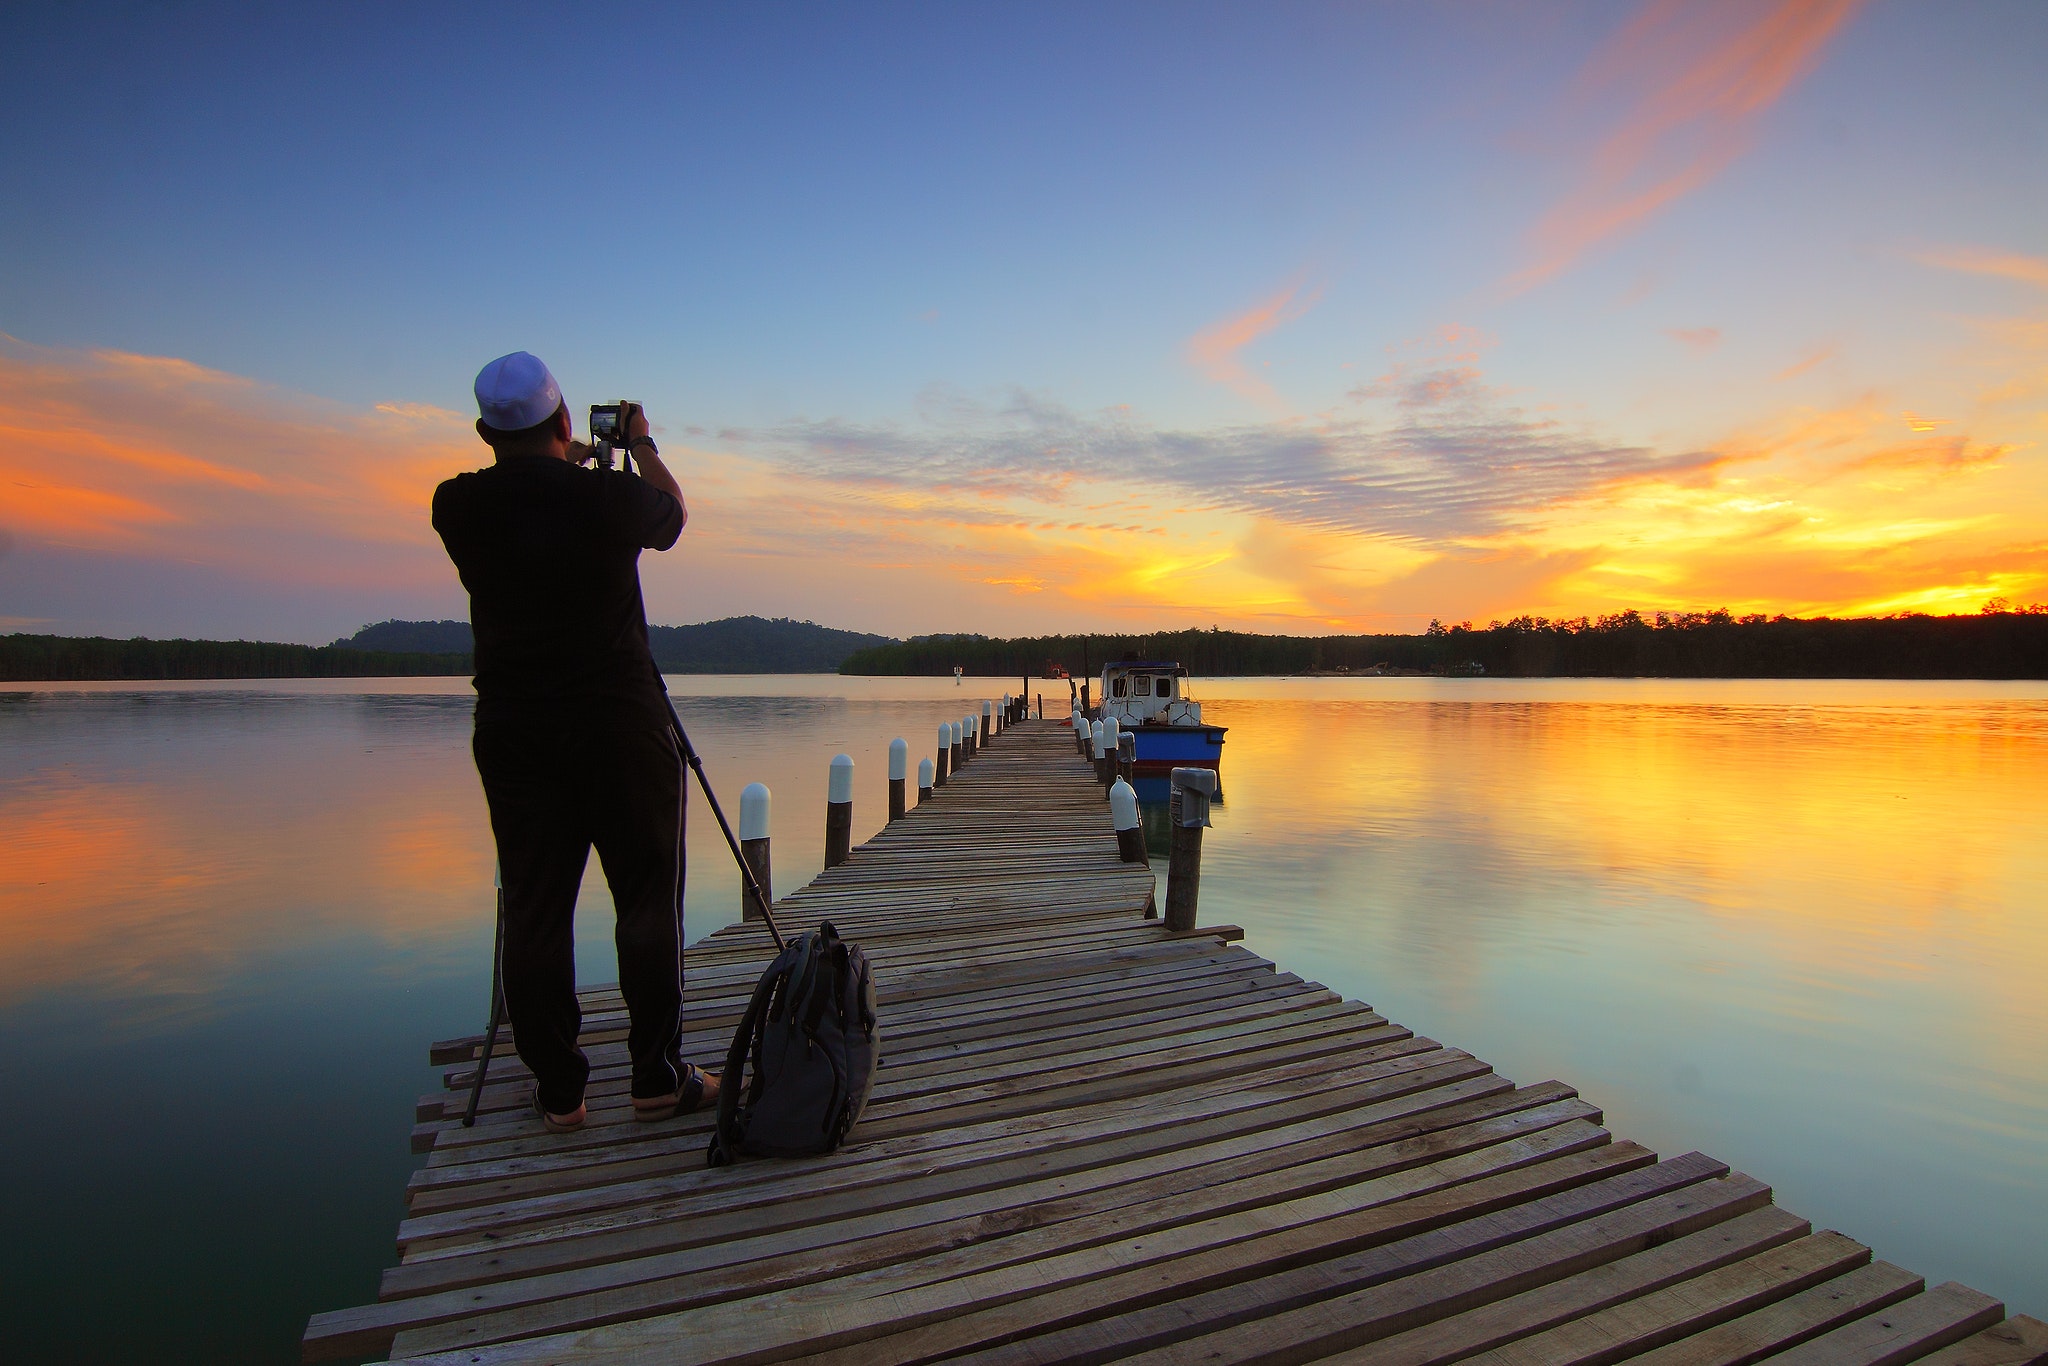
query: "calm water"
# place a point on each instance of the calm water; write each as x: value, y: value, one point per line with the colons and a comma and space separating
x: 1799, y: 926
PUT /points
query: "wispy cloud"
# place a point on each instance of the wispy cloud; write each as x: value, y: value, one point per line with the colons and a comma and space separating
x: 1811, y: 360
x: 1214, y: 350
x: 1682, y: 86
x: 2009, y: 265
x: 1698, y: 338
x: 1456, y: 461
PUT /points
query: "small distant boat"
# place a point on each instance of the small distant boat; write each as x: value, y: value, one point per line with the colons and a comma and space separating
x: 1151, y: 700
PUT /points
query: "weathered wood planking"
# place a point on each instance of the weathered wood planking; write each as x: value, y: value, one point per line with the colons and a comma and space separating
x: 1092, y: 1140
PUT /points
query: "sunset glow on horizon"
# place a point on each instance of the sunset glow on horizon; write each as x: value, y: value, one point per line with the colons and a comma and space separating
x: 1334, y: 321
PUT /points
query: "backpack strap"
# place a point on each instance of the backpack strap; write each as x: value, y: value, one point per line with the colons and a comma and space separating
x: 725, y: 1135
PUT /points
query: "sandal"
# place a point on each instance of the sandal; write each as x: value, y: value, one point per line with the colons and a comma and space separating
x: 681, y: 1101
x: 560, y: 1124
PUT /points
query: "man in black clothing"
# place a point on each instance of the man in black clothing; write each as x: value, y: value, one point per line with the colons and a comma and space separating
x: 573, y: 738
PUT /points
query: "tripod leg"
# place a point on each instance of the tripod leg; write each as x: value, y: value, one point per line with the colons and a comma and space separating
x: 483, y: 1063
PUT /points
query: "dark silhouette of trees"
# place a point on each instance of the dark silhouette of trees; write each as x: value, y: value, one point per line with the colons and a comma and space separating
x: 2000, y: 642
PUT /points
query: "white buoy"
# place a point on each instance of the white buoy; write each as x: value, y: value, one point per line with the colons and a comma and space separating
x: 839, y: 811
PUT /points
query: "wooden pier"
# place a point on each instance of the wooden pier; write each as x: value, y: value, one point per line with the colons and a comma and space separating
x: 1093, y: 1140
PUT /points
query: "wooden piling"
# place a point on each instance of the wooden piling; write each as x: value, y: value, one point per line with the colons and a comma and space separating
x: 754, y: 801
x: 899, y: 773
x: 839, y: 811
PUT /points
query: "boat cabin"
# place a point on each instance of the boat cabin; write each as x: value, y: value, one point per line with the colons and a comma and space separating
x: 1148, y: 692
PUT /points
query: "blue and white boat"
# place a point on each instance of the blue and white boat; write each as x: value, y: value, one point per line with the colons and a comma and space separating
x: 1150, y: 700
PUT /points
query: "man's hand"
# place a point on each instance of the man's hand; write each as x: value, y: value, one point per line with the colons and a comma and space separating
x: 651, y: 468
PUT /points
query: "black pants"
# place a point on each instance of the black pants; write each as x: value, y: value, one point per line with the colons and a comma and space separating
x: 559, y: 783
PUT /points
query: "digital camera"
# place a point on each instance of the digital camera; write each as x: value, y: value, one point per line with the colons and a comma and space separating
x: 608, y: 423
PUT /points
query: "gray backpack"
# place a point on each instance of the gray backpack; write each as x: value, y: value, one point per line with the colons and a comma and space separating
x: 808, y: 1047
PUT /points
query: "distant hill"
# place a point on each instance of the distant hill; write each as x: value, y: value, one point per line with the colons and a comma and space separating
x: 735, y: 645
x: 412, y: 637
x: 50, y: 659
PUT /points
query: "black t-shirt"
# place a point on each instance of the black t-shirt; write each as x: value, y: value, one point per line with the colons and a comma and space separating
x: 549, y: 552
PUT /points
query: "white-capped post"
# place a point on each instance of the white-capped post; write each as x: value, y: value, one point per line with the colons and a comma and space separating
x: 1192, y: 789
x: 959, y: 753
x: 924, y: 781
x: 969, y: 736
x: 945, y: 750
x: 899, y: 770
x: 988, y: 721
x: 1106, y: 765
x: 839, y: 811
x: 754, y: 798
x: 1123, y: 815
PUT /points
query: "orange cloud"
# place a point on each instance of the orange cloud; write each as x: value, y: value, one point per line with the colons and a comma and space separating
x: 1692, y: 80
x: 1698, y: 338
x: 1214, y: 350
x: 156, y: 456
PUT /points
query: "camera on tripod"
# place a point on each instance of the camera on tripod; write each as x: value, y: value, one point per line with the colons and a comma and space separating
x: 608, y: 424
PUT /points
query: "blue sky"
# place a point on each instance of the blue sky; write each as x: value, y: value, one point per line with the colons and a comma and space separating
x: 889, y: 222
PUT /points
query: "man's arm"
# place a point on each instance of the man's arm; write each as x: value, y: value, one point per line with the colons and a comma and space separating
x: 651, y: 468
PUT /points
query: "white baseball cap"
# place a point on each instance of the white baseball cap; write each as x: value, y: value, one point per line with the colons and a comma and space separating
x: 516, y: 391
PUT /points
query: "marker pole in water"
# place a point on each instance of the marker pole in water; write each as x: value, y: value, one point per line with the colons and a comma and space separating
x: 924, y: 781
x: 899, y: 769
x: 945, y: 744
x: 1192, y: 788
x: 754, y: 800
x: 839, y: 811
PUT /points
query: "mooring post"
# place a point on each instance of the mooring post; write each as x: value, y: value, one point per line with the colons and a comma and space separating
x: 1080, y: 725
x: 1095, y: 745
x: 839, y: 811
x: 899, y: 771
x: 953, y: 733
x: 1126, y: 756
x: 1123, y: 814
x: 924, y: 781
x: 1041, y: 706
x: 945, y: 747
x: 1106, y: 769
x: 987, y: 721
x: 970, y: 738
x: 1192, y: 788
x: 754, y: 849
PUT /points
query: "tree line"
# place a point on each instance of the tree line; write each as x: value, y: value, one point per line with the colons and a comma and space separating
x: 2000, y: 642
x: 52, y: 659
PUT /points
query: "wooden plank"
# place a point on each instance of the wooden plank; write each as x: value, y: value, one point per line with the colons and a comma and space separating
x: 1765, y: 1332
x: 1654, y: 1296
x: 1680, y: 1311
x: 1902, y: 1332
x: 2019, y: 1341
x: 872, y: 1303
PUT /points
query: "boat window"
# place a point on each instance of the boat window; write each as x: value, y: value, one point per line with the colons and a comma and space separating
x: 1166, y: 687
x: 1116, y: 687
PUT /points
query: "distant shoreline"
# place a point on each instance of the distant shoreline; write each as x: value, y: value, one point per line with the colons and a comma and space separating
x: 1990, y: 645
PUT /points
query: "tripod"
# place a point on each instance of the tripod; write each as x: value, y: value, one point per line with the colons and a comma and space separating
x: 753, y: 888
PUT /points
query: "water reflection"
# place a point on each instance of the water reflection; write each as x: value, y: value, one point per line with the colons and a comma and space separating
x: 1796, y: 925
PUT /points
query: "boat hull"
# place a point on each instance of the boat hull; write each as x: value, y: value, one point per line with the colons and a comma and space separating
x: 1162, y: 749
